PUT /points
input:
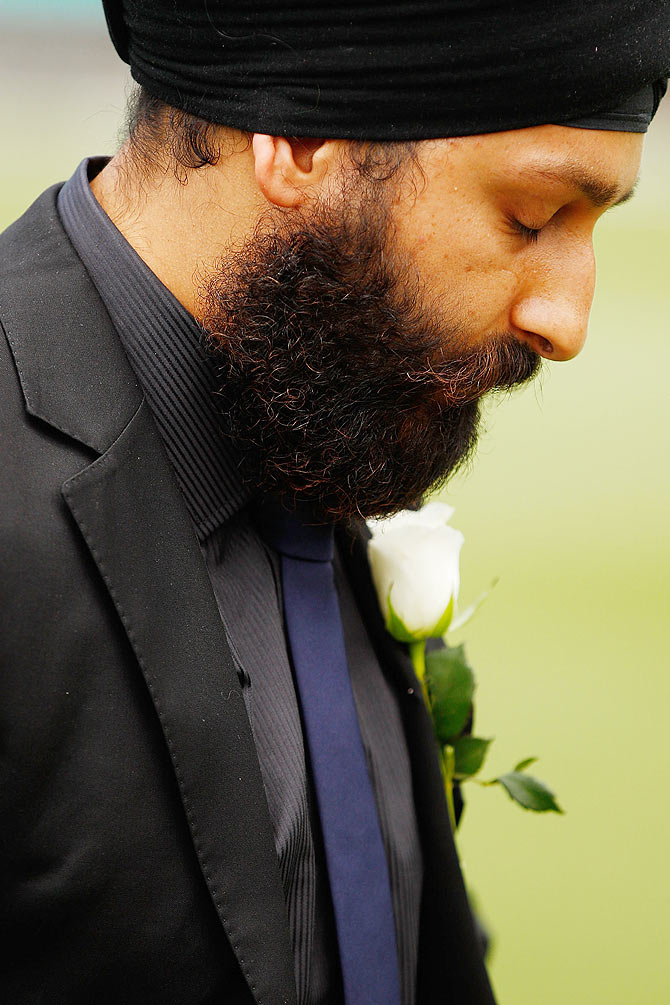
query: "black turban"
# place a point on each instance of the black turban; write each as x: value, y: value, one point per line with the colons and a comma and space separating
x: 403, y: 70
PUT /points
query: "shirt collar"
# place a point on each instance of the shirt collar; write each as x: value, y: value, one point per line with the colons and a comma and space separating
x: 163, y: 343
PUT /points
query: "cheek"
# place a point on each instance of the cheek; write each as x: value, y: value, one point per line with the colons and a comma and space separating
x: 463, y: 269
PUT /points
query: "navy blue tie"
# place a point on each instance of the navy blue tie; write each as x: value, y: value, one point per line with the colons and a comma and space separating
x: 355, y: 856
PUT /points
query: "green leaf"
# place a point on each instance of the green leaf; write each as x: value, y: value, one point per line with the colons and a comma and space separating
x: 529, y: 792
x: 451, y: 685
x: 522, y: 765
x: 470, y: 753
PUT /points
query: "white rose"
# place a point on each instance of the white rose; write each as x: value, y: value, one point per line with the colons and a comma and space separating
x: 414, y: 562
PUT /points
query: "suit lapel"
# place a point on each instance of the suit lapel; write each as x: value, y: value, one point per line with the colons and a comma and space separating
x: 451, y: 963
x: 130, y: 512
x: 132, y: 517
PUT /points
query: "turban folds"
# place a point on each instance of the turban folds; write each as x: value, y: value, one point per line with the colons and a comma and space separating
x: 406, y: 70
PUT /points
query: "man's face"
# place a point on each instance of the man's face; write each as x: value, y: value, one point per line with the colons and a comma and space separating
x: 357, y: 337
x: 503, y: 226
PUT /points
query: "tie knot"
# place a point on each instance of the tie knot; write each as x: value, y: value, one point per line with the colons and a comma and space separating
x: 294, y: 533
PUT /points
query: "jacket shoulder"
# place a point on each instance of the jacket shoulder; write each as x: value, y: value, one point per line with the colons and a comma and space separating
x: 23, y: 242
x: 21, y: 260
x: 72, y: 369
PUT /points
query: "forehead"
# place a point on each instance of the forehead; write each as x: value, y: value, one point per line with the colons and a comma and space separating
x: 600, y: 165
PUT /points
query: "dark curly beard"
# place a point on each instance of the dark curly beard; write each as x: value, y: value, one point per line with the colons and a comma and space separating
x: 340, y: 386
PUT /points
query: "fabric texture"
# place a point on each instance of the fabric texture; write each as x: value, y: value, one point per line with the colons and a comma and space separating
x: 162, y: 342
x: 392, y: 70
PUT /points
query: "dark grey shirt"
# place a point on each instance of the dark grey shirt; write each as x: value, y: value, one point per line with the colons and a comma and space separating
x: 163, y: 344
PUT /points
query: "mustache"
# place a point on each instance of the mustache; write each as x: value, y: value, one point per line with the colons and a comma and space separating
x: 502, y: 363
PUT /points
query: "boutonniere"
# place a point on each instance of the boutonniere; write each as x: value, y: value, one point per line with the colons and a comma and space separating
x: 414, y: 558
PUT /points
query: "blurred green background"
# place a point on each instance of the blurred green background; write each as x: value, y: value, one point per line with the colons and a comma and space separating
x: 568, y: 503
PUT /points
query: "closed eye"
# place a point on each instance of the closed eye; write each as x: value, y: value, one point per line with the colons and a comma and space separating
x: 529, y: 234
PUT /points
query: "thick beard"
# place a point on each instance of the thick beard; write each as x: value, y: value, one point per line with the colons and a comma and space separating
x: 341, y: 388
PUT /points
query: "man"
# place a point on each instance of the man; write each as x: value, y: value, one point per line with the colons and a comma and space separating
x: 234, y: 327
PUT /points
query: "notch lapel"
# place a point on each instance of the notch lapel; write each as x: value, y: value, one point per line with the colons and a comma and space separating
x: 132, y: 516
x: 75, y: 377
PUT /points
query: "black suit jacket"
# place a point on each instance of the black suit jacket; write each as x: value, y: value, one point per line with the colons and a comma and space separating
x: 138, y: 862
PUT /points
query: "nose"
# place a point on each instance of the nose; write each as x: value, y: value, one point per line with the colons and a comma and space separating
x: 552, y: 312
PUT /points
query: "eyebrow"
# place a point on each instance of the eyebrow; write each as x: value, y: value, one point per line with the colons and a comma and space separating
x: 599, y: 193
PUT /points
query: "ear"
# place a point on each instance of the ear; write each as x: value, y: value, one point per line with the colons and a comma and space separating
x: 289, y: 171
